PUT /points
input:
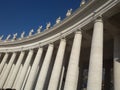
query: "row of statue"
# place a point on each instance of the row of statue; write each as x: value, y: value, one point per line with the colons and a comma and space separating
x: 48, y: 26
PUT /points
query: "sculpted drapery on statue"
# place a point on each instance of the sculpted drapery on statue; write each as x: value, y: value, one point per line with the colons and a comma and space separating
x: 48, y: 25
x: 39, y: 29
x: 58, y: 20
x: 82, y: 2
x: 31, y: 32
x: 69, y: 12
x: 22, y: 34
x: 8, y: 37
x: 1, y: 37
x: 14, y: 36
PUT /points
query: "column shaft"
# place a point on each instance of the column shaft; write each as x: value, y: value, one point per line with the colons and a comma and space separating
x: 55, y: 76
x: 15, y: 71
x: 32, y: 75
x: 61, y: 79
x: 96, y: 58
x: 6, y: 73
x: 8, y: 78
x: 17, y: 77
x: 4, y: 68
x: 0, y: 54
x: 24, y: 71
x: 117, y: 63
x: 73, y: 66
x: 3, y: 62
x: 26, y: 78
x: 44, y: 68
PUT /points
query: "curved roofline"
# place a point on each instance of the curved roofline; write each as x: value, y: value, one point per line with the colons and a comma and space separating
x: 81, y: 17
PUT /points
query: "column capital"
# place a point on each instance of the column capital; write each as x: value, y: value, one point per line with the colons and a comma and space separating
x: 21, y: 49
x: 40, y: 48
x: 78, y: 31
x: 6, y: 52
x: 99, y: 19
x: 39, y: 45
x: 51, y: 44
x: 62, y: 36
x: 63, y: 39
x: 31, y: 49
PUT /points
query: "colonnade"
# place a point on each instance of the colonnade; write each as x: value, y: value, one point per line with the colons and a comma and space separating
x: 22, y: 73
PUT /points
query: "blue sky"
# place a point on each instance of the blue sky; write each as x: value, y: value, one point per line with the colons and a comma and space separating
x: 24, y: 15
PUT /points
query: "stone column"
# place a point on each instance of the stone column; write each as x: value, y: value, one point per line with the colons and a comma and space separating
x: 0, y: 54
x: 3, y: 61
x: 61, y: 79
x: 117, y: 63
x: 24, y: 71
x: 96, y: 57
x: 3, y: 70
x: 15, y: 71
x: 32, y: 75
x: 26, y: 78
x: 17, y: 77
x: 73, y: 66
x: 6, y: 73
x: 55, y: 76
x: 44, y: 68
x: 9, y: 75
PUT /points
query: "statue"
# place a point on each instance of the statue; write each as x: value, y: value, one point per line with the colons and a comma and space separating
x: 8, y: 37
x: 48, y: 25
x: 69, y: 12
x: 22, y: 34
x: 30, y: 33
x: 1, y: 37
x: 39, y: 29
x: 82, y: 2
x: 58, y: 20
x: 14, y: 36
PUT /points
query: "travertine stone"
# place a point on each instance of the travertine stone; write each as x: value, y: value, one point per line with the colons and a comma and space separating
x: 17, y: 77
x: 69, y: 12
x: 1, y: 37
x: 32, y: 76
x: 24, y: 71
x: 116, y: 63
x: 6, y: 73
x: 3, y: 61
x: 48, y: 25
x: 10, y: 81
x: 44, y: 68
x: 73, y: 67
x: 96, y: 57
x: 26, y: 78
x: 55, y: 76
x: 8, y: 78
x: 61, y: 78
x: 22, y: 35
x: 39, y: 29
x: 3, y: 70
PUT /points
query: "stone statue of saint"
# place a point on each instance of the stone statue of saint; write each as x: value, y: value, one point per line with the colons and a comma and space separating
x: 1, y: 37
x: 58, y: 20
x: 22, y: 34
x: 30, y: 33
x: 82, y: 2
x: 14, y: 36
x: 69, y: 12
x: 48, y: 25
x: 39, y: 29
x: 8, y: 37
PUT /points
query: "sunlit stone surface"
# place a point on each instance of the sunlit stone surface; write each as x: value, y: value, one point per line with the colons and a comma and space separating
x: 80, y: 52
